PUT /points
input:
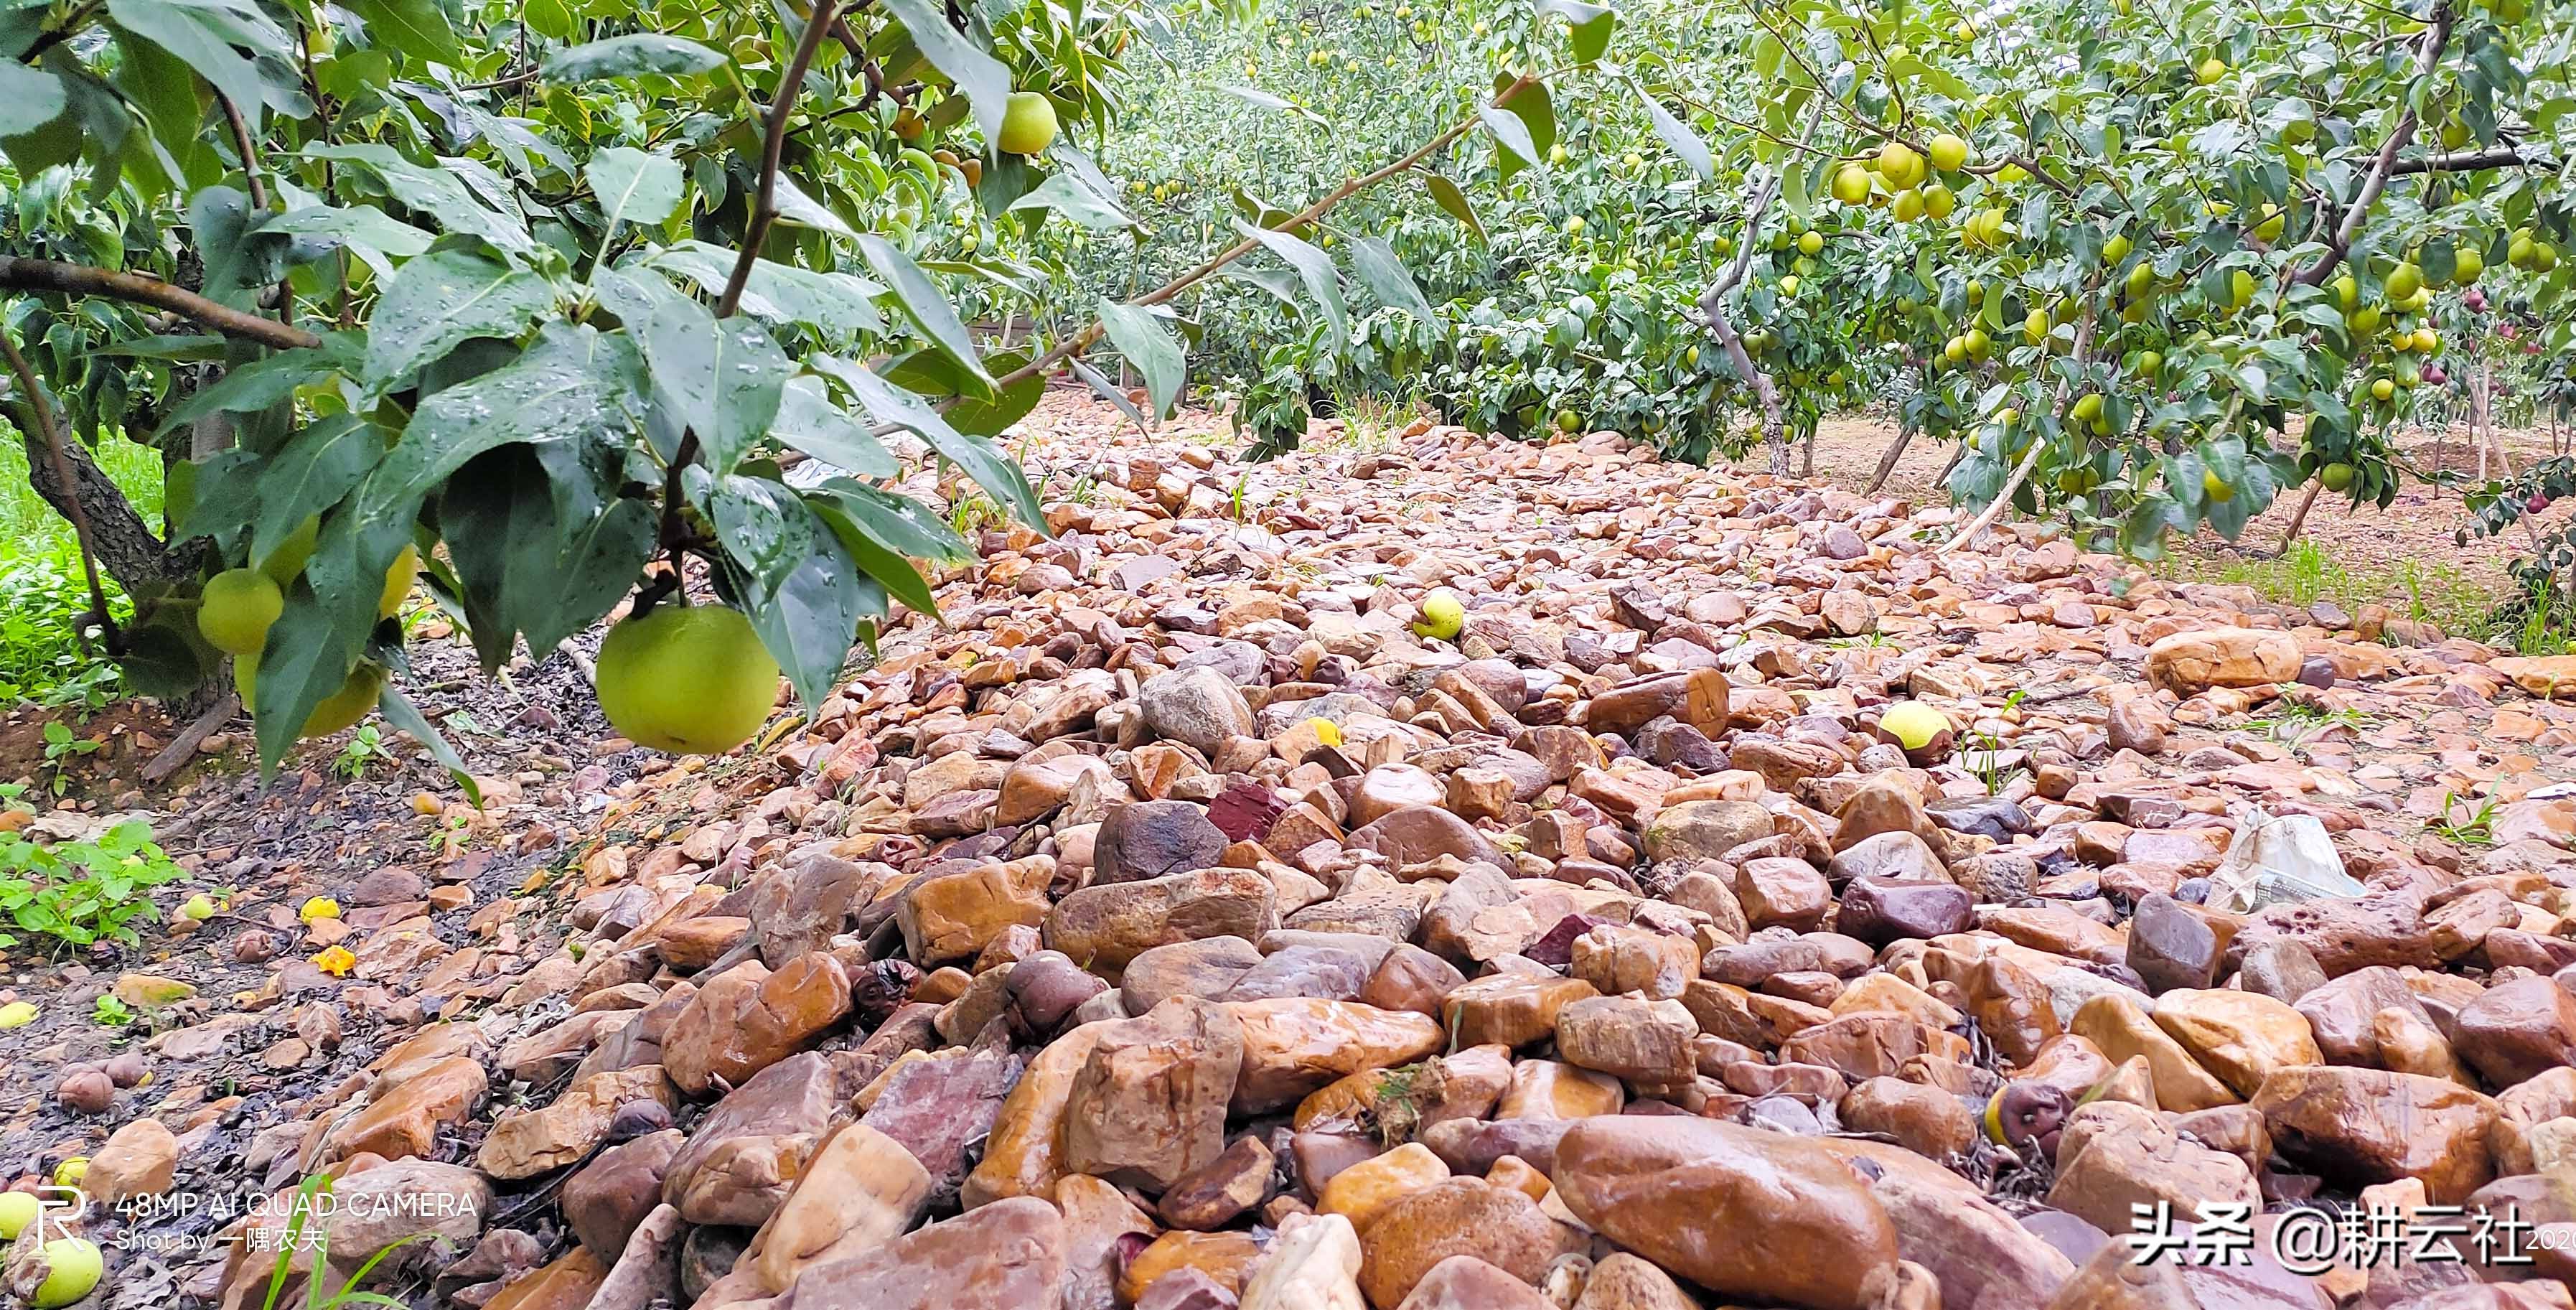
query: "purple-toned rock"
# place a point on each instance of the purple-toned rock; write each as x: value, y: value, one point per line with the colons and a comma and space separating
x: 1879, y: 910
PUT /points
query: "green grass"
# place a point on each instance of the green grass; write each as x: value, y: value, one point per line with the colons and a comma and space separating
x: 42, y: 590
x: 26, y: 521
x: 2440, y: 593
x: 2295, y: 721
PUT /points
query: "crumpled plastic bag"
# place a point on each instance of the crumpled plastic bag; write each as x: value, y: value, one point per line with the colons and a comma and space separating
x: 2279, y: 860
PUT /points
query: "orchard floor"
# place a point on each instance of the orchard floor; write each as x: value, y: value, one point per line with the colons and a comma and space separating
x: 2376, y: 550
x: 257, y: 1050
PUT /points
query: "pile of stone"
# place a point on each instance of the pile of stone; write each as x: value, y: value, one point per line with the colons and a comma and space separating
x: 1176, y: 927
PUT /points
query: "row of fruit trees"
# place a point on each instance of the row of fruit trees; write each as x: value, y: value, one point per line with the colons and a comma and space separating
x: 536, y: 304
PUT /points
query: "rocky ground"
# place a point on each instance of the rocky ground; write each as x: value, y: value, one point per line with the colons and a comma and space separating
x: 1174, y: 927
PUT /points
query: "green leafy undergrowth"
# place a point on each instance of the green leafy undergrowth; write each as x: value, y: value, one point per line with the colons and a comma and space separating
x: 81, y: 892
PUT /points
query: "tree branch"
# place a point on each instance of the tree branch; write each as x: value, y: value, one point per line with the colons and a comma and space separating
x: 2471, y: 161
x: 2038, y: 445
x: 71, y: 26
x: 45, y: 275
x: 824, y: 19
x: 1081, y: 341
x: 2435, y: 37
x: 250, y: 162
x: 782, y: 103
x: 41, y: 423
x: 1712, y: 306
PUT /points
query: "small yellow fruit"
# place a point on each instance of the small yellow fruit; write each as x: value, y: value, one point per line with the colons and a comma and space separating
x: 2403, y: 281
x: 73, y: 1267
x: 399, y: 575
x: 1573, y: 224
x: 357, y: 695
x: 1939, y: 200
x: 2275, y: 219
x: 2337, y: 477
x: 70, y: 1172
x: 2467, y: 263
x: 1908, y: 206
x: 1443, y: 616
x: 1028, y: 124
x: 200, y: 907
x: 1898, y: 163
x: 2088, y: 407
x: 2210, y: 70
x: 2427, y: 340
x: 2115, y: 249
x: 2216, y: 487
x: 17, y: 1210
x: 687, y: 679
x: 17, y: 1014
x: 1811, y: 243
x: 2383, y: 390
x: 1948, y: 152
x: 288, y: 559
x: 1851, y: 184
x: 1913, y: 724
x: 2240, y: 288
x: 236, y: 610
x: 1789, y: 284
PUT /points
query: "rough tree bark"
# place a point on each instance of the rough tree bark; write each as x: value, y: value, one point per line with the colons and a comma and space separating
x: 125, y: 544
x: 1712, y: 307
x: 2300, y: 519
x: 2385, y: 166
x: 1887, y: 462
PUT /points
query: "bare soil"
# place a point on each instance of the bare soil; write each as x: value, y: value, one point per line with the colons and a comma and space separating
x: 2369, y: 542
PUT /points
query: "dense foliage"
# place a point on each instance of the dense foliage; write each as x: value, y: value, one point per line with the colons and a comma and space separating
x: 2250, y: 164
x: 543, y: 302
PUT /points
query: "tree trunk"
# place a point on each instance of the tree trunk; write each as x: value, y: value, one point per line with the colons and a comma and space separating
x: 2002, y: 502
x: 1774, y: 424
x: 2300, y: 519
x: 1887, y: 462
x: 125, y: 544
x: 1712, y: 307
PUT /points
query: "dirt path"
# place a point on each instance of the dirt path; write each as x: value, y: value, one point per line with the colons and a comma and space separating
x: 2376, y: 551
